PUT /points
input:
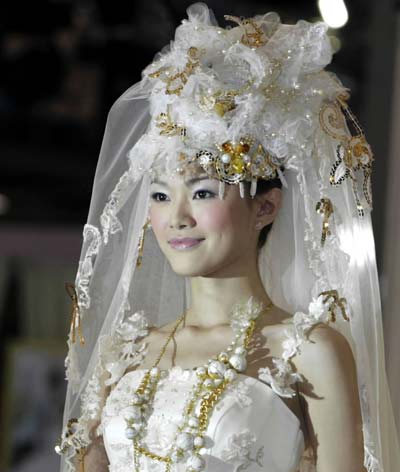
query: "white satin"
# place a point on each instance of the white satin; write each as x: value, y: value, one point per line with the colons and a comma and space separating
x: 251, y: 428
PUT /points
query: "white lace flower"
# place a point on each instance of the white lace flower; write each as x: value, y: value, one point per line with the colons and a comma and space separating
x: 135, y: 326
x: 280, y: 378
x: 290, y: 346
x: 238, y: 446
x: 317, y: 308
x: 244, y: 312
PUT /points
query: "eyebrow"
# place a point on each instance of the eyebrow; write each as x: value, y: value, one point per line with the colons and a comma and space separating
x: 189, y: 182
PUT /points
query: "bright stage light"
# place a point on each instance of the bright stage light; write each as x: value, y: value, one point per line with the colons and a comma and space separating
x: 334, y: 12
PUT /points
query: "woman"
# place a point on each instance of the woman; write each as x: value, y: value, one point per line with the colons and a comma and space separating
x: 220, y: 352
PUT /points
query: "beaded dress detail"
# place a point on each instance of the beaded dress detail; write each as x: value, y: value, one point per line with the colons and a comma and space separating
x: 250, y: 429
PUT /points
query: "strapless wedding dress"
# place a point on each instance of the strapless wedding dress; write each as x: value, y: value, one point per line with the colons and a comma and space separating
x: 250, y: 429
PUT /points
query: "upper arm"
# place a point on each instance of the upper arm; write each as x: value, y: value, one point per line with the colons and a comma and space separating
x: 332, y: 403
x: 95, y: 459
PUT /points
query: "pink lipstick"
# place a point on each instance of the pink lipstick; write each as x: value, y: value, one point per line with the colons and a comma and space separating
x: 184, y: 243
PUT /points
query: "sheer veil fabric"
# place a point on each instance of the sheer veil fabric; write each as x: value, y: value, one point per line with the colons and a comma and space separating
x: 117, y: 299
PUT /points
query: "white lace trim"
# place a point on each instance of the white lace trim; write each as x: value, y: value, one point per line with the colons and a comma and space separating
x: 91, y: 237
x: 108, y: 219
x: 282, y: 377
x: 117, y: 352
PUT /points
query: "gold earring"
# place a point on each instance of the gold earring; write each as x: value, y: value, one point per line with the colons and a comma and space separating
x: 75, y: 314
x: 146, y: 226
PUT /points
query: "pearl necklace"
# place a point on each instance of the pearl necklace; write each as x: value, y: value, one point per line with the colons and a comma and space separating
x: 212, y: 379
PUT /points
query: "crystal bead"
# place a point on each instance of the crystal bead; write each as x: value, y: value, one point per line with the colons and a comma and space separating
x: 230, y: 375
x: 193, y: 422
x: 216, y: 369
x: 132, y: 413
x: 226, y: 158
x: 240, y: 350
x: 175, y: 456
x: 208, y: 383
x: 198, y: 441
x: 238, y: 362
x: 131, y: 433
x: 195, y: 463
x: 184, y: 441
x: 200, y: 371
x: 154, y: 371
x: 223, y: 357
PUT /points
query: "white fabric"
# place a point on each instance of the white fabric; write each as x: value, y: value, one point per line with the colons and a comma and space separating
x: 251, y: 426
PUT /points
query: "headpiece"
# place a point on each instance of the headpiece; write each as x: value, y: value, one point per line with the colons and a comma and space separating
x: 247, y: 103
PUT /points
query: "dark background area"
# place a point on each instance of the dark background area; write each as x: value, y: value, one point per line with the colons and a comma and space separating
x: 63, y: 63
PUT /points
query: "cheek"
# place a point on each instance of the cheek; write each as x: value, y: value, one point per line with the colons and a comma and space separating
x: 221, y: 216
x: 157, y: 219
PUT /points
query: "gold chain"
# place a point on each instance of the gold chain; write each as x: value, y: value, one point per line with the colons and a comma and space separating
x: 180, y: 319
x: 207, y: 402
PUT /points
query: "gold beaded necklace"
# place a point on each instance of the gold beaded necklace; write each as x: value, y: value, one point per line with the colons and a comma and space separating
x: 212, y: 380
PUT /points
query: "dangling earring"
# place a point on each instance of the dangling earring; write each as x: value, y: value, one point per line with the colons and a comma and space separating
x: 146, y: 226
x: 75, y: 314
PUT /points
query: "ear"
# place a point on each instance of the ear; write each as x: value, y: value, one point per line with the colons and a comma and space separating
x: 268, y: 205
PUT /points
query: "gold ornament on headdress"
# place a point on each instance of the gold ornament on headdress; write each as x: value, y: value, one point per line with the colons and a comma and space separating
x: 222, y: 101
x: 237, y: 161
x: 353, y: 152
x: 75, y: 314
x: 176, y: 80
x: 253, y: 36
x: 335, y: 303
x: 168, y: 127
x: 325, y: 208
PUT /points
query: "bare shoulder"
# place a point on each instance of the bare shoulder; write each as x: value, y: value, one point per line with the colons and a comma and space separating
x: 327, y: 343
x: 326, y: 361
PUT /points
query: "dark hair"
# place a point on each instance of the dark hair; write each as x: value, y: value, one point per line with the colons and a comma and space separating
x: 264, y: 186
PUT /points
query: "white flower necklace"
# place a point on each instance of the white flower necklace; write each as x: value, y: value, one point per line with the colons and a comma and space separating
x: 212, y: 379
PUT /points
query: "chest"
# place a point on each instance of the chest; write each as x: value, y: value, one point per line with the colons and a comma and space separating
x: 192, y: 348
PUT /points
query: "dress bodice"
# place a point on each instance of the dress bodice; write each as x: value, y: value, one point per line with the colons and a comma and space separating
x: 250, y: 428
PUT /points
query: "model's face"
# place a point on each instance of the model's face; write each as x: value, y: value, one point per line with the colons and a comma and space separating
x: 199, y: 233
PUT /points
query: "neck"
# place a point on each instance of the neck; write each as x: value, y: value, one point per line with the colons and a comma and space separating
x: 214, y: 297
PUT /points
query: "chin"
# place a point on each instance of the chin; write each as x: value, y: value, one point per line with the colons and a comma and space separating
x: 191, y: 267
x: 197, y: 266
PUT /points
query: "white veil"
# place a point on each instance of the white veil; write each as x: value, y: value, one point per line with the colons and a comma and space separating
x: 117, y: 299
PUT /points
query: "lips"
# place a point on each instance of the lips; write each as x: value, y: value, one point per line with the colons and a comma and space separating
x: 184, y: 243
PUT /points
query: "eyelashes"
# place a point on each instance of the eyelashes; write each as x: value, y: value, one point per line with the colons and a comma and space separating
x: 201, y: 194
x: 158, y: 196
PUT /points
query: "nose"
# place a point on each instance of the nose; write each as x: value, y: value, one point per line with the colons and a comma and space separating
x: 180, y: 215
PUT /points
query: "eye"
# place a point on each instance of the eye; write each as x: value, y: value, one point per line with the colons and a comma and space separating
x: 159, y: 197
x: 203, y: 194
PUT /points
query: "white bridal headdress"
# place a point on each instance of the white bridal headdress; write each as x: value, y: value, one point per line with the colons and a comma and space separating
x: 246, y: 103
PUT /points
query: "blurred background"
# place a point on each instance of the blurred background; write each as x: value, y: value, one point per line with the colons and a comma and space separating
x: 63, y: 63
